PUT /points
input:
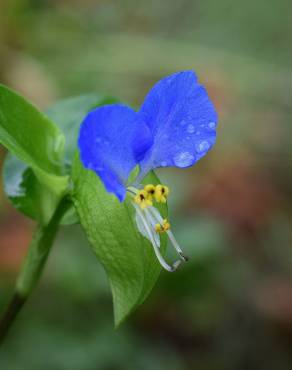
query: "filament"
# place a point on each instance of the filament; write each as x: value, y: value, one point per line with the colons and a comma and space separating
x: 175, y: 244
x: 161, y: 260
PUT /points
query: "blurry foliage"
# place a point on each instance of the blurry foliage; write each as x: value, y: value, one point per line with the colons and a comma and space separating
x: 230, y: 308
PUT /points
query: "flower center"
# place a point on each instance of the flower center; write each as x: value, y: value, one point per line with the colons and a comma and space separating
x: 145, y: 197
x: 151, y: 224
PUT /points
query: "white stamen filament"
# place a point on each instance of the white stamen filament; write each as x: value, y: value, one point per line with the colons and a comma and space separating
x: 175, y: 244
x: 132, y: 190
x: 153, y: 242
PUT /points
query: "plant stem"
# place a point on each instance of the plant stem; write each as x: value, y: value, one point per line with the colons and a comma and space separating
x: 11, y: 312
x: 32, y: 268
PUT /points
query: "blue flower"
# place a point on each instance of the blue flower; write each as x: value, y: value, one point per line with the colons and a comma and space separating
x: 175, y: 127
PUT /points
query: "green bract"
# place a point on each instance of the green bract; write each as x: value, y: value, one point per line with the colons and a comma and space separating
x: 126, y: 255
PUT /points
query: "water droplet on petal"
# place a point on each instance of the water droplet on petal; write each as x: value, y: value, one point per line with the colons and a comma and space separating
x: 163, y: 164
x: 191, y: 129
x: 212, y: 125
x: 203, y: 146
x: 183, y: 159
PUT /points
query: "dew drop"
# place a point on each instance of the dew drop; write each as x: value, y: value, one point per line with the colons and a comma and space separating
x: 183, y: 159
x: 163, y: 164
x: 212, y: 125
x: 191, y: 129
x: 203, y: 146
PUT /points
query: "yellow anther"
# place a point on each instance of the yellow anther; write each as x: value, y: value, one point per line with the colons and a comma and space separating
x: 166, y: 225
x: 161, y: 193
x: 150, y: 189
x: 142, y: 199
x: 162, y: 228
x: 158, y: 228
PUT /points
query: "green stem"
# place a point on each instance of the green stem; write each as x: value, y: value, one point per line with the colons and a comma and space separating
x: 33, y: 266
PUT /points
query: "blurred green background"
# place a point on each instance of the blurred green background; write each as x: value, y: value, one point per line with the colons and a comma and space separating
x: 230, y: 307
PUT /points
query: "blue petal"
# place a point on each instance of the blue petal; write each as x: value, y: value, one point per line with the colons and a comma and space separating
x: 112, y: 140
x: 182, y: 120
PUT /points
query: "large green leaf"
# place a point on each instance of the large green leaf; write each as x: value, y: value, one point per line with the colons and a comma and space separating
x: 68, y: 115
x: 126, y: 255
x: 32, y: 138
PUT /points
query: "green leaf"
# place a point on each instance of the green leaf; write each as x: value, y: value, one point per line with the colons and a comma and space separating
x: 28, y: 195
x: 32, y: 138
x: 68, y: 115
x: 22, y: 186
x: 25, y: 192
x: 126, y: 255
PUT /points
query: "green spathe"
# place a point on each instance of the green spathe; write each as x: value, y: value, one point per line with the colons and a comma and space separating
x: 127, y: 256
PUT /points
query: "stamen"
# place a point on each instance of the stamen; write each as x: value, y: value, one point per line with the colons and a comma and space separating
x: 166, y: 225
x: 142, y: 199
x: 156, y: 249
x: 161, y: 228
x: 150, y: 189
x: 152, y: 221
x: 161, y: 193
x: 158, y: 192
x: 132, y: 190
x: 175, y: 244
